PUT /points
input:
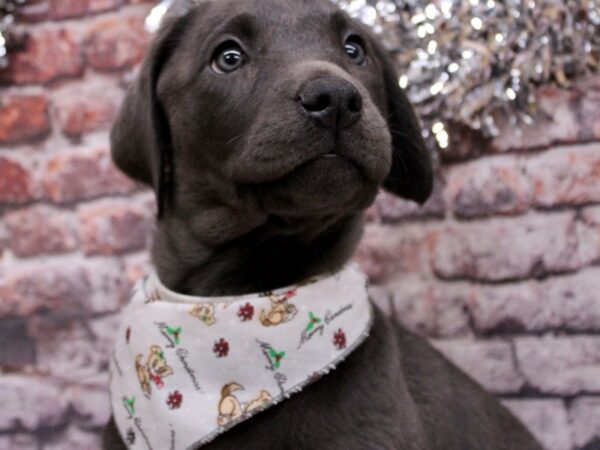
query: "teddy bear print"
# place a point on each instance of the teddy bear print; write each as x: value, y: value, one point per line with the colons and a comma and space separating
x: 280, y: 310
x: 204, y: 312
x: 230, y: 407
x: 153, y: 371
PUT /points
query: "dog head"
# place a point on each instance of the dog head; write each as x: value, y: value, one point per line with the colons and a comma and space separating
x: 273, y: 109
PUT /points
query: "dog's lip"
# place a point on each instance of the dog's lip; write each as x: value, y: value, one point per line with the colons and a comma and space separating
x: 330, y: 155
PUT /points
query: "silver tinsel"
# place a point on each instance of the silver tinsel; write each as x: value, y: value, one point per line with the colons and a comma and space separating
x: 8, y: 9
x: 468, y: 62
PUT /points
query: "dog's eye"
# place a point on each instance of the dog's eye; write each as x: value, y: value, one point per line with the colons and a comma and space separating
x: 355, y: 50
x: 228, y: 57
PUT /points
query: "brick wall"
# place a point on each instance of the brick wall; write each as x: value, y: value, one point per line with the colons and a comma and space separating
x: 500, y: 269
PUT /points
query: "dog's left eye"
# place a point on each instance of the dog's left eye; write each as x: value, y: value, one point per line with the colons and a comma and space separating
x: 228, y: 57
x: 355, y: 50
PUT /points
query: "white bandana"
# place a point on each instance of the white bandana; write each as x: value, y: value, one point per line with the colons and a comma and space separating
x: 186, y: 369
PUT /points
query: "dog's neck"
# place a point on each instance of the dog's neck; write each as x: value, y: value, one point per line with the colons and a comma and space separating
x: 262, y: 259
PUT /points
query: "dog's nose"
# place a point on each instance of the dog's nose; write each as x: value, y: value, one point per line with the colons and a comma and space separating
x: 333, y: 102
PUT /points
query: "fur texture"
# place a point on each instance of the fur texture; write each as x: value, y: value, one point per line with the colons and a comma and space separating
x: 262, y: 175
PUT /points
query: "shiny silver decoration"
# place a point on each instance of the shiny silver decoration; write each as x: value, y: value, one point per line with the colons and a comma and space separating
x: 476, y: 62
x: 8, y: 9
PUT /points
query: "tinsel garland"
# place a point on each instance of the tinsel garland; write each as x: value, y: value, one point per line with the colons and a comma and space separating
x: 8, y: 8
x: 471, y: 61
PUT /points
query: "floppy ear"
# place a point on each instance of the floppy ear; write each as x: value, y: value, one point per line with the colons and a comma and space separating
x: 411, y: 175
x: 140, y: 138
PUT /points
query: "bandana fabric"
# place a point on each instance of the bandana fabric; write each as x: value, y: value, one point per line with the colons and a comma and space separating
x: 186, y: 369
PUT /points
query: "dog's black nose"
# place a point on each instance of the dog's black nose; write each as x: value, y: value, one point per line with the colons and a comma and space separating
x: 331, y: 101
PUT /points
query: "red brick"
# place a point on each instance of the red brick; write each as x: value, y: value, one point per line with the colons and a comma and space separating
x: 49, y: 54
x: 507, y: 249
x: 81, y: 110
x: 384, y: 251
x: 560, y: 365
x: 117, y: 42
x: 48, y: 286
x: 39, y: 230
x: 112, y: 228
x: 78, y: 176
x: 565, y: 176
x: 15, y: 182
x: 23, y: 117
x: 488, y: 186
x: 37, y: 10
x: 546, y: 419
x: 491, y: 363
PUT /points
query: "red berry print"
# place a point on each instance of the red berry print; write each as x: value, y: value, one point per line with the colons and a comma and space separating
x: 290, y: 294
x: 174, y: 400
x: 221, y: 348
x: 158, y: 381
x: 339, y: 339
x: 246, y: 312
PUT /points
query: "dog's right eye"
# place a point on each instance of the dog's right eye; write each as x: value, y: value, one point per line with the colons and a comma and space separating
x: 228, y: 58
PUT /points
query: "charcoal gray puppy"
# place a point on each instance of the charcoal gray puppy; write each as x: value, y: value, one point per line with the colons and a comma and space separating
x: 266, y: 127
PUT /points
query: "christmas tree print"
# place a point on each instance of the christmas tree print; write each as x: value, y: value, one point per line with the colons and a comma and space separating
x: 129, y: 404
x: 339, y: 339
x: 276, y: 357
x: 312, y: 321
x: 221, y: 348
x: 246, y: 312
x: 174, y: 400
x: 174, y: 333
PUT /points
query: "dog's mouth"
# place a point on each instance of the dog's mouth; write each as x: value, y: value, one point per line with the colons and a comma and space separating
x: 268, y: 169
x: 326, y: 183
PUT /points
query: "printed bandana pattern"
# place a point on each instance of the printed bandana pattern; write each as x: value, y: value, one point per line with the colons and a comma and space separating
x: 186, y: 369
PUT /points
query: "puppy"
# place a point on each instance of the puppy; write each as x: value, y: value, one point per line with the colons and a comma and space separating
x: 265, y: 128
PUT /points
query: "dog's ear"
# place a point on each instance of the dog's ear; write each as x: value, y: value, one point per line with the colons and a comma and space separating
x: 140, y: 138
x: 411, y: 176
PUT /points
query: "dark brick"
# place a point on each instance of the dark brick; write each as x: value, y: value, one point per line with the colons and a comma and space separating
x: 18, y: 349
x: 49, y: 54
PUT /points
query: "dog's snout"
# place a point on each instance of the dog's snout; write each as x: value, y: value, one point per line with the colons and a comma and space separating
x: 333, y: 102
